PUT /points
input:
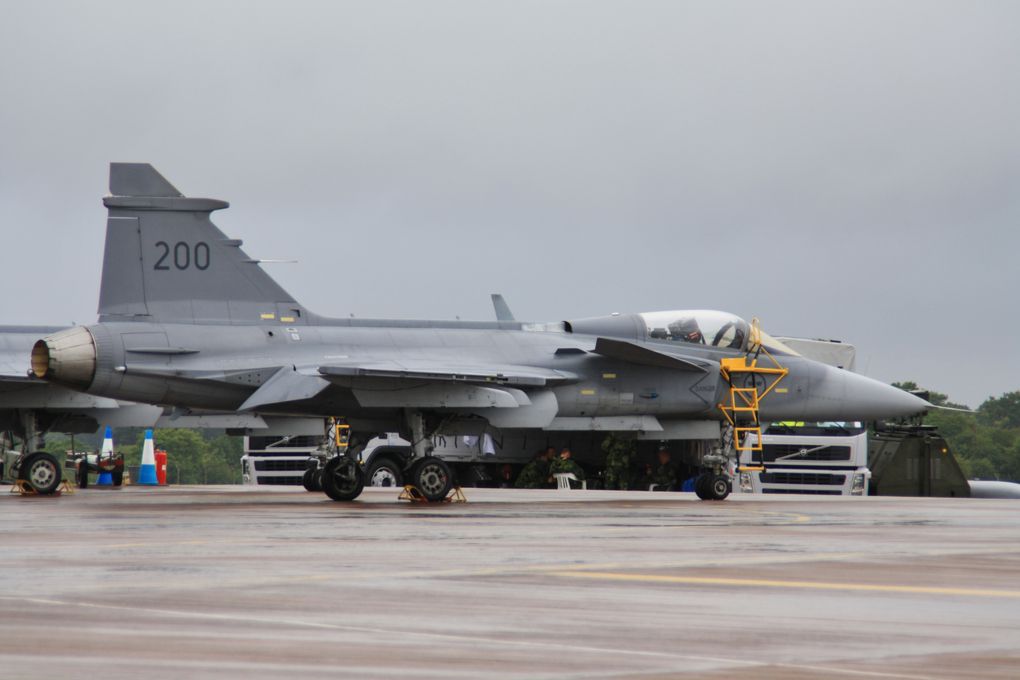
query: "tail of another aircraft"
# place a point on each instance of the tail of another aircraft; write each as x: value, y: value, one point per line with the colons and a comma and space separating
x: 166, y: 261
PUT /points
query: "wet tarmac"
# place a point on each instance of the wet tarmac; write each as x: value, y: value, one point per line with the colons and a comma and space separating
x: 228, y: 582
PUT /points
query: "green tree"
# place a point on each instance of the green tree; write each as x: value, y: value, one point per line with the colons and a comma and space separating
x: 987, y: 442
x: 1003, y: 412
x: 193, y: 456
x: 227, y: 450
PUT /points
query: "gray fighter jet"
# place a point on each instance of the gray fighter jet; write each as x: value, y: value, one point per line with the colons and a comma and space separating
x: 187, y: 319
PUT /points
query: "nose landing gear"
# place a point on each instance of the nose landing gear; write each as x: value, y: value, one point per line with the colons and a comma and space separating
x: 712, y: 487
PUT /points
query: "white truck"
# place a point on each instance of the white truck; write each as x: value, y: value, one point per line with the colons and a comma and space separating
x: 826, y: 458
x: 276, y: 460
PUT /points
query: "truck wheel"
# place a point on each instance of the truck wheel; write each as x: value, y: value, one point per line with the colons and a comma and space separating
x: 343, y: 479
x: 432, y: 477
x: 311, y: 480
x: 384, y: 472
x: 83, y: 475
x: 41, y: 471
x: 718, y: 487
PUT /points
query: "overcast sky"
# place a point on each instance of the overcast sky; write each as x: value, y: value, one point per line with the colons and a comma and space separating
x: 839, y: 169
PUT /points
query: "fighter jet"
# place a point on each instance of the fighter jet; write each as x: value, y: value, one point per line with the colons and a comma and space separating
x: 187, y: 319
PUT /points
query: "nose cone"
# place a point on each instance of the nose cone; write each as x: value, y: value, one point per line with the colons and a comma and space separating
x: 838, y: 394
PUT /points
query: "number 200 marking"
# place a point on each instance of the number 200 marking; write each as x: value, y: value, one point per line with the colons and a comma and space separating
x: 184, y: 256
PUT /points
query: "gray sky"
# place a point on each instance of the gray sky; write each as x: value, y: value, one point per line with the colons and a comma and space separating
x: 838, y: 169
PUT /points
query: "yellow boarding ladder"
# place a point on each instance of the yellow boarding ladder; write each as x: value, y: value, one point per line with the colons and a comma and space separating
x: 757, y: 380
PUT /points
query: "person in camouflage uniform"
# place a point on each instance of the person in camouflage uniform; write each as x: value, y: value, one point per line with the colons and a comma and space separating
x: 535, y: 474
x: 664, y: 476
x: 565, y: 464
x: 619, y: 456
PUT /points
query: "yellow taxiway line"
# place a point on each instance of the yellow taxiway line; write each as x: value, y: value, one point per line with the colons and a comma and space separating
x: 776, y: 583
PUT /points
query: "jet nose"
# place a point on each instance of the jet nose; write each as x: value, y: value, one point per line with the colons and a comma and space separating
x: 842, y: 395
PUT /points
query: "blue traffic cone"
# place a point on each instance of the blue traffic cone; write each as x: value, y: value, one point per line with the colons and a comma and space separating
x: 147, y: 473
x: 105, y: 478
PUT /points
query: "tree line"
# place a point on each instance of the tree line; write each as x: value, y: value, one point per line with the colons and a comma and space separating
x: 987, y: 441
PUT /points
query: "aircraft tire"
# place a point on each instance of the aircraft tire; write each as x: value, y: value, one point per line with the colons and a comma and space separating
x: 384, y: 472
x: 343, y: 479
x: 41, y: 471
x: 312, y: 479
x: 718, y: 487
x: 432, y: 477
x: 82, y: 475
x: 117, y: 476
x: 701, y: 487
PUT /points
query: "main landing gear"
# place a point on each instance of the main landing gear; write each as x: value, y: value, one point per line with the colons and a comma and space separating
x: 432, y: 477
x: 343, y: 478
x: 336, y: 468
x: 41, y: 471
x: 37, y: 470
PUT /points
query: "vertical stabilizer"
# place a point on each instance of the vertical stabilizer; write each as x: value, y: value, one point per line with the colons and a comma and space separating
x: 166, y: 261
x: 501, y: 308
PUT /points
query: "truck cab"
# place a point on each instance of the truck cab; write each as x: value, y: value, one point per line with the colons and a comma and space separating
x: 821, y: 458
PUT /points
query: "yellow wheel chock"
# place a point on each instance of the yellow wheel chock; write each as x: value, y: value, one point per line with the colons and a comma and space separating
x: 412, y: 494
x: 23, y: 488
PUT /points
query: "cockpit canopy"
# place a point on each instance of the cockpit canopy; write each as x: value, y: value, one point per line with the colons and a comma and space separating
x: 705, y: 327
x: 697, y: 326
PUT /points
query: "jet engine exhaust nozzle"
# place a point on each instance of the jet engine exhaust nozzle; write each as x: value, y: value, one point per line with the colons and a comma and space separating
x: 67, y: 358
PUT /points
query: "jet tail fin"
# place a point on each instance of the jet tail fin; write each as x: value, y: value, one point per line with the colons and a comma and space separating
x: 501, y: 308
x: 166, y: 261
x: 139, y: 179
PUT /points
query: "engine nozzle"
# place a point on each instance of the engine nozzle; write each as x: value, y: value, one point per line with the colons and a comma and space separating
x: 67, y: 357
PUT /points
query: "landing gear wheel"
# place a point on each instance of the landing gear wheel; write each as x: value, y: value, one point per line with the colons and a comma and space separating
x: 718, y: 487
x: 343, y: 479
x: 384, y: 472
x: 118, y: 477
x: 410, y: 472
x: 312, y: 479
x: 432, y: 477
x: 701, y: 487
x: 42, y: 472
x: 82, y: 475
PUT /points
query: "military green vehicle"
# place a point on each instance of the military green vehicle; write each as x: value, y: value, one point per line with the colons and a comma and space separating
x: 913, y: 460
